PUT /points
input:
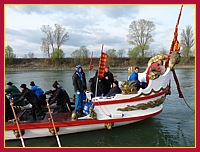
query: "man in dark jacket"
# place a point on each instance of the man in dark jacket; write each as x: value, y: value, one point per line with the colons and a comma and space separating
x: 8, y: 110
x: 60, y: 96
x: 33, y: 99
x: 109, y: 79
x: 100, y: 85
x: 114, y: 90
x: 14, y: 92
x: 79, y: 83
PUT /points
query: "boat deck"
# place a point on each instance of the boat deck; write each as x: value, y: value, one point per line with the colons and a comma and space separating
x: 57, y: 117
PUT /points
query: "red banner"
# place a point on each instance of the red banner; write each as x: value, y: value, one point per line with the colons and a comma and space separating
x: 102, y: 64
x: 91, y: 65
x: 175, y: 46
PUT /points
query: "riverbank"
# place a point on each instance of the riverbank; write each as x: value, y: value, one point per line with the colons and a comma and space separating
x: 43, y: 64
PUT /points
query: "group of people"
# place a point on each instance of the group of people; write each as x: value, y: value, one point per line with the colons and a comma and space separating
x: 105, y: 86
x: 36, y: 97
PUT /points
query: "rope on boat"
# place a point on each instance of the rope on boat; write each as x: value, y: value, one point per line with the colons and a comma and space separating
x: 17, y: 122
x: 179, y: 89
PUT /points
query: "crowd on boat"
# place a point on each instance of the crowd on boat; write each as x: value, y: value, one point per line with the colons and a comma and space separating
x: 36, y: 97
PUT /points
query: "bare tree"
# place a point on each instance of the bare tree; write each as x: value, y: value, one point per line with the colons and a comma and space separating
x: 45, y: 47
x: 187, y: 40
x: 140, y: 34
x: 60, y: 35
x: 47, y: 29
x: 57, y: 36
x: 121, y: 53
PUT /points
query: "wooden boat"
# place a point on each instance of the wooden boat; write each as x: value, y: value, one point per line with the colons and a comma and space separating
x: 105, y: 112
x: 110, y: 112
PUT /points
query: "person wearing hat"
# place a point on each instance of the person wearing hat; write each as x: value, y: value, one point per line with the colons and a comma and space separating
x: 79, y: 83
x: 115, y: 89
x: 60, y: 96
x: 39, y: 92
x: 14, y: 92
x: 31, y: 97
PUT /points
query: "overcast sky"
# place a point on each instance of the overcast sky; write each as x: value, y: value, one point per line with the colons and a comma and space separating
x: 91, y: 25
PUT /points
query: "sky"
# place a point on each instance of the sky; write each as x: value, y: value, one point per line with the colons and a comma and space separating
x: 91, y: 26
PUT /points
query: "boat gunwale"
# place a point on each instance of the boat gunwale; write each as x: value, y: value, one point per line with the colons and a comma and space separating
x: 77, y: 122
x: 134, y: 99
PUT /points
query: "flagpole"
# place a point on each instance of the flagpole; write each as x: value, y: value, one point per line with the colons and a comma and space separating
x: 98, y: 72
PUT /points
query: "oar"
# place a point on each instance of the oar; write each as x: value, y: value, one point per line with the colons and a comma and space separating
x: 56, y: 133
x: 16, y: 119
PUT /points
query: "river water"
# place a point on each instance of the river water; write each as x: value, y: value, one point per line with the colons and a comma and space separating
x: 174, y: 127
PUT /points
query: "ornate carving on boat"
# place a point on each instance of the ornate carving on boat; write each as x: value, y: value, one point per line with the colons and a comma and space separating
x: 128, y: 88
x: 109, y: 125
x: 144, y: 106
x: 52, y: 131
x: 154, y: 73
x: 174, y: 59
x: 17, y: 134
x: 156, y: 58
x: 93, y: 114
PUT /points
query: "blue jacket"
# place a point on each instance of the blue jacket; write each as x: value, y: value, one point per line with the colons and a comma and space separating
x: 37, y: 90
x: 134, y: 77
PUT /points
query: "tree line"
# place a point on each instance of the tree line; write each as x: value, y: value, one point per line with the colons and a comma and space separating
x: 139, y: 35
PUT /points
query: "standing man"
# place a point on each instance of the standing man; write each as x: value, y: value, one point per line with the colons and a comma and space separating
x: 39, y: 92
x: 79, y: 83
x: 109, y: 79
x: 33, y: 99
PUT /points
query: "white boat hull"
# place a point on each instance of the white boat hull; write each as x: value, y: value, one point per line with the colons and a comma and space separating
x: 112, y: 111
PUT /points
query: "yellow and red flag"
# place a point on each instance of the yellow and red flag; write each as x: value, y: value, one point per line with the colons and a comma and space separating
x: 91, y: 64
x: 102, y: 64
x: 175, y: 46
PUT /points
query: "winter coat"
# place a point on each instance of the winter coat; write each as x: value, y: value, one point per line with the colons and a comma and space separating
x: 37, y: 90
x: 30, y: 96
x: 113, y: 91
x: 134, y: 77
x: 77, y: 83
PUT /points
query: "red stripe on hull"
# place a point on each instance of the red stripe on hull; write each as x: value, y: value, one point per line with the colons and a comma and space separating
x: 131, y: 99
x: 76, y: 123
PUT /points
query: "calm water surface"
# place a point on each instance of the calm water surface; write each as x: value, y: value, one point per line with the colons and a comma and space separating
x: 174, y: 127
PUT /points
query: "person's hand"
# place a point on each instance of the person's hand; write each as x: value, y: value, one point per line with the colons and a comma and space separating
x: 11, y: 103
x: 106, y: 77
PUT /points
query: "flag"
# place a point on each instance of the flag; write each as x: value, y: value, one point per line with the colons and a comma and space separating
x: 175, y: 46
x: 102, y: 64
x: 91, y: 64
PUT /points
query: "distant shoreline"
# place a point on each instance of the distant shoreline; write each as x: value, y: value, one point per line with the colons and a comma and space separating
x: 24, y: 69
x: 44, y: 64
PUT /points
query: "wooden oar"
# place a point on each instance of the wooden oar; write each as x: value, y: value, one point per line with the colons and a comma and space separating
x: 16, y: 119
x: 56, y: 133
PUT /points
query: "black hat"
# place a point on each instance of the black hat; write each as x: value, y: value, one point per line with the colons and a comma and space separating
x: 55, y: 84
x: 9, y: 83
x: 116, y: 82
x: 32, y: 83
x: 23, y: 86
